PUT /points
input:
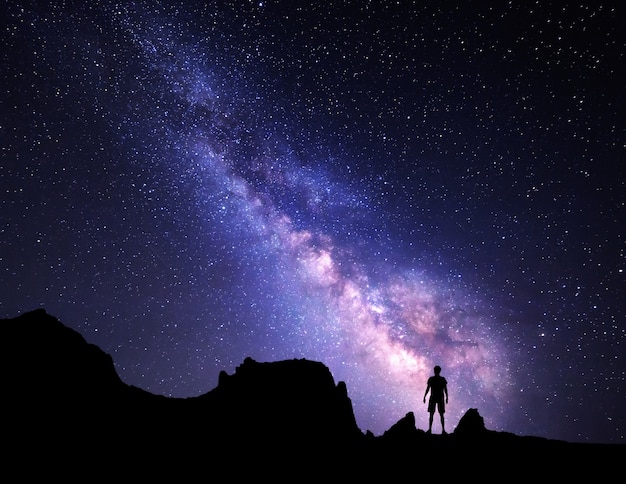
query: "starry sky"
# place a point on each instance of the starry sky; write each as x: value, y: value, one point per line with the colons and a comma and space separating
x: 380, y: 186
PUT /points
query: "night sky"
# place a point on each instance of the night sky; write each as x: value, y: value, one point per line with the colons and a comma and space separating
x: 379, y: 186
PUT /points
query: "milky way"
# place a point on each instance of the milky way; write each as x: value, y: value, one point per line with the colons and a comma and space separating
x: 380, y: 187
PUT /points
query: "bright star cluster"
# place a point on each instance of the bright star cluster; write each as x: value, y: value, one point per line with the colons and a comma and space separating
x: 379, y: 186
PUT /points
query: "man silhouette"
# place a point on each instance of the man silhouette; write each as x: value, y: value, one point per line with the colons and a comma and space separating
x: 438, y: 387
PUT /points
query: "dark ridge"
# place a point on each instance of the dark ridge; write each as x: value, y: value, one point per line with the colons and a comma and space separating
x: 67, y: 414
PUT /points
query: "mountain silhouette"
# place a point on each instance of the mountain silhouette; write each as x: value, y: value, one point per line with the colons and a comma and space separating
x: 67, y: 414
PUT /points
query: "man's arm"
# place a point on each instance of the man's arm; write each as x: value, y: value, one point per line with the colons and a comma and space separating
x: 426, y: 392
x: 445, y: 390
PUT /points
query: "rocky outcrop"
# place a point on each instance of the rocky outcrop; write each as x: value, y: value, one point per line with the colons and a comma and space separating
x: 294, y: 399
x: 471, y: 424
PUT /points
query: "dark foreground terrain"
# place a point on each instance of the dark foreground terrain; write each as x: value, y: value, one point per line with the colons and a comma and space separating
x: 66, y: 414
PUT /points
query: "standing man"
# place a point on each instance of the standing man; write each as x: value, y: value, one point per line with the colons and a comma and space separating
x: 438, y: 387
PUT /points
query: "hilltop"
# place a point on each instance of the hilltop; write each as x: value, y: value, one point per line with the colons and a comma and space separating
x: 66, y: 412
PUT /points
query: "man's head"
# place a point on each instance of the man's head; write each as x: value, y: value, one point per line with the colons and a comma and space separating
x: 437, y: 370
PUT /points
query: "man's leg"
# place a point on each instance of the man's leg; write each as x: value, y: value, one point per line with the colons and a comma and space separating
x: 443, y: 424
x: 430, y: 422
